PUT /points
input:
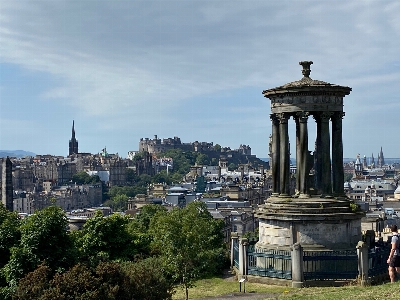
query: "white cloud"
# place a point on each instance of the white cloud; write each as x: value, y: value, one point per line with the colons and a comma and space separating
x: 123, y: 61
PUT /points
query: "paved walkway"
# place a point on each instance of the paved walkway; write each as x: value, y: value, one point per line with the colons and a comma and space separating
x: 243, y: 296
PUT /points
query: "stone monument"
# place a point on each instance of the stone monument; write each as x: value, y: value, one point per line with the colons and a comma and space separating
x: 7, y: 184
x: 318, y: 215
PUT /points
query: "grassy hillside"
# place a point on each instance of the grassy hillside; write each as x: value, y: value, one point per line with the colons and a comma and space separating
x: 218, y: 287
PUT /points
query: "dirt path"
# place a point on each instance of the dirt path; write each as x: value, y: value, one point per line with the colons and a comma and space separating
x: 243, y: 296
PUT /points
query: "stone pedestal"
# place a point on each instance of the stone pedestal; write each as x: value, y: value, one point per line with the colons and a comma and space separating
x: 315, y: 223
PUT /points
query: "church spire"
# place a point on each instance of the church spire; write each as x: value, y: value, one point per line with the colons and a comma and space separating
x: 73, y: 143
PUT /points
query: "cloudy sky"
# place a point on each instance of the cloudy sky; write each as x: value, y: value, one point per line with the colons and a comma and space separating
x: 125, y: 70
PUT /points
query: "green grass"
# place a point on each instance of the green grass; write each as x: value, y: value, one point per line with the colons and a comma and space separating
x: 217, y: 286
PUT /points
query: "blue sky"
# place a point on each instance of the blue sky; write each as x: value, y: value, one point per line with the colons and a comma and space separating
x: 124, y: 70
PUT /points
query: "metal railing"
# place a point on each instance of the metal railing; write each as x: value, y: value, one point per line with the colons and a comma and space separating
x: 377, y: 260
x: 270, y: 263
x: 317, y: 265
x: 330, y: 265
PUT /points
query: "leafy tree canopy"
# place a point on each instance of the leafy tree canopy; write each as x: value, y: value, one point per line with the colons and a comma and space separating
x: 84, y: 178
x: 105, y: 239
x: 43, y: 239
x: 190, y: 242
x: 9, y: 233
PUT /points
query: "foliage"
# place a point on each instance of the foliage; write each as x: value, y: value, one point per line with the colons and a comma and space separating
x: 84, y: 178
x: 148, y: 279
x: 129, y: 191
x: 232, y: 166
x: 105, y: 239
x: 217, y: 147
x: 9, y: 233
x: 214, y: 162
x: 190, y: 242
x: 130, y: 176
x: 118, y: 202
x: 162, y: 177
x: 348, y: 177
x: 147, y: 213
x: 142, y: 280
x: 202, y: 159
x: 43, y: 239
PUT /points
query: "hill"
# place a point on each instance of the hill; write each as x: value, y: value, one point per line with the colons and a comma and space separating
x: 15, y: 153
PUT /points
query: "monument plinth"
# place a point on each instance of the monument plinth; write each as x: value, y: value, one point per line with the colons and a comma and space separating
x: 319, y: 215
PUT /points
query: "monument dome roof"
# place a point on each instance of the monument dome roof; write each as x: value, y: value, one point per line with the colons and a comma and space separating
x: 308, y: 84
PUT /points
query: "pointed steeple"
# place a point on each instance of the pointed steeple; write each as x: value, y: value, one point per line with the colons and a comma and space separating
x: 73, y: 143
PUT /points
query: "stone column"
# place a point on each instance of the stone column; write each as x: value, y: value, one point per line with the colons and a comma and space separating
x: 337, y: 155
x: 302, y: 171
x: 297, y: 266
x: 242, y: 256
x: 284, y: 167
x: 326, y: 183
x: 317, y: 156
x: 275, y: 157
x: 363, y: 266
x: 298, y: 153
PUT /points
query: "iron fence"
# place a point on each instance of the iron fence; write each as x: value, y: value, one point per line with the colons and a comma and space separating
x: 330, y: 265
x: 270, y: 263
x: 377, y: 260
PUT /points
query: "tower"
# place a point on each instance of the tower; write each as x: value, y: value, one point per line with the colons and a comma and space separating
x: 7, y: 184
x: 381, y: 159
x: 320, y: 206
x: 73, y: 143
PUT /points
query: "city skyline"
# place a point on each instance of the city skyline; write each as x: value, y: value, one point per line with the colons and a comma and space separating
x: 196, y: 70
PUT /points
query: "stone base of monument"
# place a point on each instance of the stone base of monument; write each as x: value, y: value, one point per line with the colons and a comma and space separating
x: 316, y: 223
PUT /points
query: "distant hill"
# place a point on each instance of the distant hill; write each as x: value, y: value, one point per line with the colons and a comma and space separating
x: 15, y: 153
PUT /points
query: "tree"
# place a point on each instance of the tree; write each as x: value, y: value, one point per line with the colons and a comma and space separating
x: 214, y: 162
x: 190, y: 242
x: 84, y: 178
x: 232, y: 167
x: 9, y: 233
x: 105, y: 239
x: 44, y: 238
x: 118, y: 202
x: 348, y: 177
x: 131, y: 176
x: 202, y: 159
x: 147, y: 213
x: 109, y: 281
x: 161, y: 177
x: 217, y: 147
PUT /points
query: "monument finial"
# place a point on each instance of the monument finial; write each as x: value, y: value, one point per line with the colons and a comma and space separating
x: 306, y: 68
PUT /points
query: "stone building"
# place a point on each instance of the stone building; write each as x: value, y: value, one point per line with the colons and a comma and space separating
x: 70, y: 197
x: 7, y: 184
x: 23, y: 179
x: 117, y: 169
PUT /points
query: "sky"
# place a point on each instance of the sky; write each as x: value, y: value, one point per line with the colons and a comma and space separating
x: 125, y: 70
